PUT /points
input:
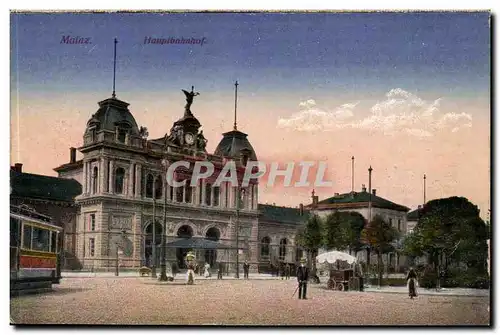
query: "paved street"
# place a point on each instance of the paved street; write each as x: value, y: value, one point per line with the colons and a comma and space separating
x: 139, y: 301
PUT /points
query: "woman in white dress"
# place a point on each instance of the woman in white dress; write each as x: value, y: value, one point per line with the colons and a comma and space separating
x: 207, y: 267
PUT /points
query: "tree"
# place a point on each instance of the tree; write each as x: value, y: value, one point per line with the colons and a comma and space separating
x: 356, y: 225
x: 310, y: 238
x: 450, y: 228
x: 343, y: 230
x: 379, y: 235
x: 336, y: 231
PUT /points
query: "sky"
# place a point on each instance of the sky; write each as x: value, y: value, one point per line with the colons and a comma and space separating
x: 407, y: 93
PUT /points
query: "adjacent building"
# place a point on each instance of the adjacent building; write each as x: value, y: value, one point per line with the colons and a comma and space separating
x: 53, y: 197
x: 368, y: 204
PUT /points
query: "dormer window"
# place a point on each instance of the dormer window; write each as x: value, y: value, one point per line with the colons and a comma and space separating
x: 244, y: 156
x: 122, y: 129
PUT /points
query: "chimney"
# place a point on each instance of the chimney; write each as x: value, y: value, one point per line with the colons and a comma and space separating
x: 363, y: 188
x: 72, y: 155
x: 419, y: 206
x: 336, y: 194
x: 374, y: 191
x: 301, y: 209
x: 18, y: 167
x: 315, y: 200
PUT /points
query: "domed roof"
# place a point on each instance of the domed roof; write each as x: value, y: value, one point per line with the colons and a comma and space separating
x: 233, y: 143
x: 113, y: 112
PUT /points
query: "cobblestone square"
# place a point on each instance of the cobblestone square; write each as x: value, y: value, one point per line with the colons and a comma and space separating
x: 144, y: 301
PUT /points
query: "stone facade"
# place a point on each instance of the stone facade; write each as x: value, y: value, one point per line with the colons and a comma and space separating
x: 124, y: 192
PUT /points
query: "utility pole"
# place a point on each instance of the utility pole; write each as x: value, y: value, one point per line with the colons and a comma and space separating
x: 352, y: 172
x: 425, y: 177
x: 153, y: 245
x: 237, y: 225
x: 163, y: 274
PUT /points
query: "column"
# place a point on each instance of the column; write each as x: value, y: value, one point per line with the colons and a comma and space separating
x: 256, y: 196
x: 194, y: 195
x: 169, y: 191
x: 212, y: 196
x: 105, y: 176
x: 112, y: 176
x: 84, y: 181
x: 137, y: 181
x: 130, y: 181
x: 184, y: 193
x: 203, y: 191
x: 102, y: 167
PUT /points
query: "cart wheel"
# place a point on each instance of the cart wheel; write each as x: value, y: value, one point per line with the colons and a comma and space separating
x: 331, y: 284
x: 340, y: 287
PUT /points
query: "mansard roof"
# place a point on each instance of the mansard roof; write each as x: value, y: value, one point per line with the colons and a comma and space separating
x: 281, y: 214
x: 357, y: 200
x: 35, y: 186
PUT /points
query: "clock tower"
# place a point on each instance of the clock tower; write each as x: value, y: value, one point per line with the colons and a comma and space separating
x: 185, y: 132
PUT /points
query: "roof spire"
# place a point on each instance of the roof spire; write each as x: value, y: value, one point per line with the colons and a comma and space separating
x: 114, y: 70
x: 235, y: 103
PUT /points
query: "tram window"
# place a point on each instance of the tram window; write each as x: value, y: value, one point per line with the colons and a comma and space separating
x: 53, y: 241
x: 14, y: 232
x: 40, y: 239
x: 27, y: 237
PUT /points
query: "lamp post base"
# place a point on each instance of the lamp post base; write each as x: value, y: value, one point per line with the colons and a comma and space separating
x: 153, y: 272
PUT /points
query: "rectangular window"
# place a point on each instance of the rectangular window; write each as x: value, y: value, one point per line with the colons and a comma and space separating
x: 399, y: 224
x: 189, y: 191
x: 179, y: 194
x: 208, y: 194
x: 92, y: 247
x: 27, y: 236
x: 390, y: 222
x: 53, y: 241
x: 14, y: 232
x: 216, y: 196
x: 252, y: 190
x: 172, y: 193
x: 41, y: 239
x: 92, y: 222
x: 226, y: 195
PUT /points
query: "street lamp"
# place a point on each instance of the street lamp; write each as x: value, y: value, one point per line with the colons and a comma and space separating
x: 163, y: 265
x: 239, y: 193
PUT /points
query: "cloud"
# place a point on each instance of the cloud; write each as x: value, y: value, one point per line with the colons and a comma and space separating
x: 313, y: 118
x: 400, y: 112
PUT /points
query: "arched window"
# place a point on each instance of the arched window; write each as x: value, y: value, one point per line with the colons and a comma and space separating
x: 158, y: 187
x: 119, y: 180
x: 149, y: 186
x: 283, y: 244
x: 95, y: 178
x: 264, y: 247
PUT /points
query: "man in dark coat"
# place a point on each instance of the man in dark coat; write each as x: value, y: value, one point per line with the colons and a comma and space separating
x: 302, y: 277
x: 287, y: 271
x: 246, y: 269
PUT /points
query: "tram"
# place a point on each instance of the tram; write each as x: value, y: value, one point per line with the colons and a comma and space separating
x: 35, y: 244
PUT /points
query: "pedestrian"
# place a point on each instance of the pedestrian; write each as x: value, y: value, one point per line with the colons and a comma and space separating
x: 246, y: 269
x: 220, y: 270
x: 287, y: 271
x: 412, y: 283
x: 302, y: 277
x: 207, y: 270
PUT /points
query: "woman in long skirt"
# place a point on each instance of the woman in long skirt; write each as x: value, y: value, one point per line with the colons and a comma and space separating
x: 412, y: 283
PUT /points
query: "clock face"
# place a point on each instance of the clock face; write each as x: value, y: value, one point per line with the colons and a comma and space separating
x: 189, y: 138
